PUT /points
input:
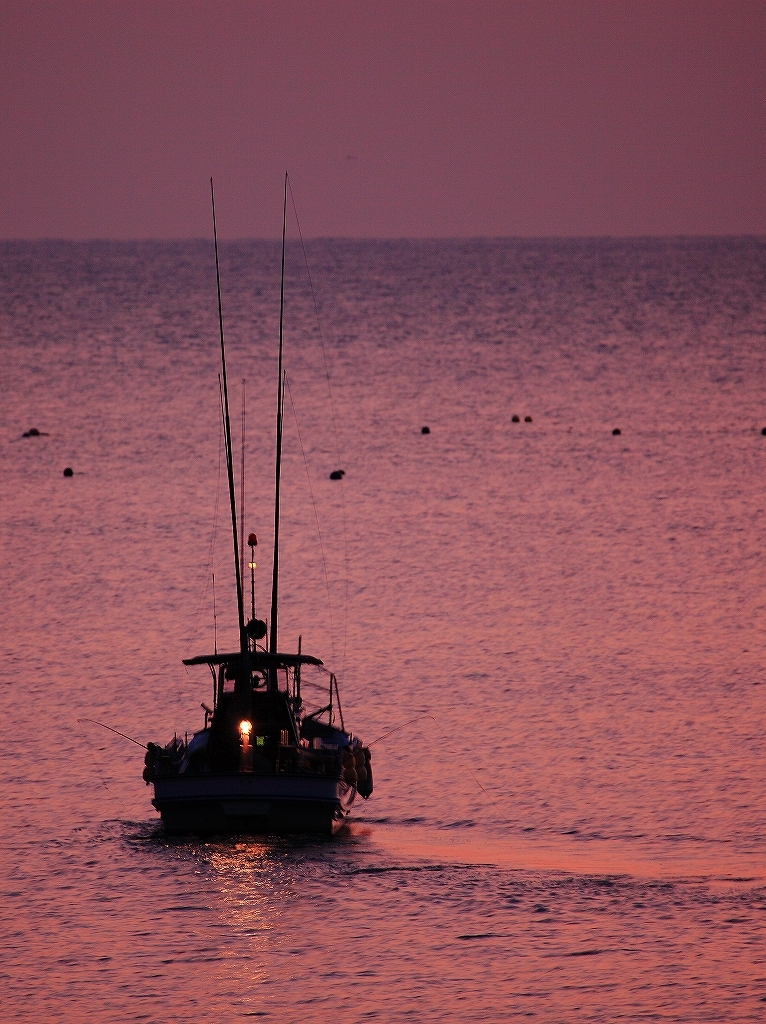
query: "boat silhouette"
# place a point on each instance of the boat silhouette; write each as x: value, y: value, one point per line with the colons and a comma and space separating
x: 261, y: 764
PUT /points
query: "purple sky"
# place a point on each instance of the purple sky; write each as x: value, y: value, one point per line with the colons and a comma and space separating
x: 393, y: 119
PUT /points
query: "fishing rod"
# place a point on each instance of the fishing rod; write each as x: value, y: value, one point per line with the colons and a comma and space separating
x: 227, y: 430
x: 278, y: 466
x: 338, y: 459
x: 115, y: 731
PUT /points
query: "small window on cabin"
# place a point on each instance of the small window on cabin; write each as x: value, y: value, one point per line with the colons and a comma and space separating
x: 228, y: 681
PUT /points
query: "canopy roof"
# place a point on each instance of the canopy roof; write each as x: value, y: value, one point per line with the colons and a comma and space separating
x: 258, y: 660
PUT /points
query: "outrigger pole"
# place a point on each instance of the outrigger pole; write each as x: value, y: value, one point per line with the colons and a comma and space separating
x: 243, y: 643
x: 278, y: 472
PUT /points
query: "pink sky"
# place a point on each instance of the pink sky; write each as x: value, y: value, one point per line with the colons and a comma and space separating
x: 393, y: 119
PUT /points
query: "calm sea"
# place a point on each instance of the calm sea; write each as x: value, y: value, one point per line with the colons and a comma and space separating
x: 554, y: 630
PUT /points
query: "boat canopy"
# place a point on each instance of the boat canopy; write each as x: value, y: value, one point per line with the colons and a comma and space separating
x: 258, y: 660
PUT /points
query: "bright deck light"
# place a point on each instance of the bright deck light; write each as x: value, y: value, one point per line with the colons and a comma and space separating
x: 245, y: 729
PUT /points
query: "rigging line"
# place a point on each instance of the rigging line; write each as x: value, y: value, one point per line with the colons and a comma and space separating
x: 242, y: 497
x: 211, y: 546
x: 316, y: 514
x: 334, y: 421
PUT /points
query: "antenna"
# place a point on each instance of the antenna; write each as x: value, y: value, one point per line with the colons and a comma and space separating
x: 278, y: 469
x: 227, y: 433
x: 252, y: 540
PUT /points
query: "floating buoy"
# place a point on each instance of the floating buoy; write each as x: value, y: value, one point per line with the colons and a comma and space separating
x: 527, y: 419
x: 763, y: 431
x: 616, y: 431
x: 69, y: 471
x: 514, y: 418
x: 32, y: 432
x: 337, y: 474
x: 425, y: 430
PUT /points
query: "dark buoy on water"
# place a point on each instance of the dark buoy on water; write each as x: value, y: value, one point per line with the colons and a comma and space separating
x: 34, y: 432
x: 763, y: 431
x: 616, y: 431
x: 527, y: 419
x: 425, y: 430
x: 337, y: 474
x: 514, y: 418
x: 69, y: 471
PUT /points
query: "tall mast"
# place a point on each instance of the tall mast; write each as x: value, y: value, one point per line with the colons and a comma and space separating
x: 278, y: 470
x: 227, y: 436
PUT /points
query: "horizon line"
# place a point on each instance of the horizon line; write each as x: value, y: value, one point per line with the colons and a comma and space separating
x: 387, y: 238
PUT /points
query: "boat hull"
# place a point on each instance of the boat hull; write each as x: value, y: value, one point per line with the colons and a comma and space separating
x: 249, y: 804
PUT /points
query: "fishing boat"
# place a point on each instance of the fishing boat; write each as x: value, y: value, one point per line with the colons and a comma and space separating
x: 262, y: 763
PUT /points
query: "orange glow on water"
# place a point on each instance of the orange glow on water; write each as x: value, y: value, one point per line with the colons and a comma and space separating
x: 553, y: 639
x: 592, y: 857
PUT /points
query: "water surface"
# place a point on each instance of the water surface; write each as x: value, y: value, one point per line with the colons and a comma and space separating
x: 554, y: 634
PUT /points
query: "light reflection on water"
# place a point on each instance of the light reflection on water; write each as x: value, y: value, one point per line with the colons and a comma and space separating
x: 555, y: 632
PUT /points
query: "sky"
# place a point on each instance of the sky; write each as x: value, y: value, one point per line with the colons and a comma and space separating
x: 416, y: 119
